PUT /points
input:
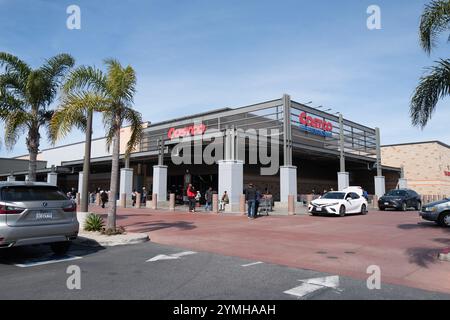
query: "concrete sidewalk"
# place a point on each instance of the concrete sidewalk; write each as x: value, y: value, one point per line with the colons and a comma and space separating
x: 400, y: 243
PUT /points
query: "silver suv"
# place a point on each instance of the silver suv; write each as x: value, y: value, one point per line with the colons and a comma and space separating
x: 36, y: 213
x: 438, y: 212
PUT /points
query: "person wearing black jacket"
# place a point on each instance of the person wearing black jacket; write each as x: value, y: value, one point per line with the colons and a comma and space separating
x: 250, y: 197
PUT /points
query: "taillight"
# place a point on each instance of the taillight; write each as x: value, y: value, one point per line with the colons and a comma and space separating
x: 4, y: 209
x: 71, y: 208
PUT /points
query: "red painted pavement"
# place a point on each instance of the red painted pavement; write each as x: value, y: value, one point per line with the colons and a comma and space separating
x: 405, y: 247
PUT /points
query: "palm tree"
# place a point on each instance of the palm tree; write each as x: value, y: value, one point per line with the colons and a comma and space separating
x: 25, y: 97
x: 436, y: 84
x: 111, y: 93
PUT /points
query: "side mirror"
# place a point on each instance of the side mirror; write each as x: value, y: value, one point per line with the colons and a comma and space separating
x: 348, y: 198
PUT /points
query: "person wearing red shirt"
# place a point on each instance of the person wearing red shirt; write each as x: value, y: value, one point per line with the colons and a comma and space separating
x: 191, y: 193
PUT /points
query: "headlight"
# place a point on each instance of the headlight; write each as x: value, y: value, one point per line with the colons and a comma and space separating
x: 430, y: 209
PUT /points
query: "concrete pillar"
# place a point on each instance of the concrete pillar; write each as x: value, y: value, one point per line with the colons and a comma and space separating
x: 288, y: 183
x: 160, y: 182
x: 80, y: 183
x: 231, y: 179
x: 172, y: 202
x: 123, y: 200
x: 402, y: 183
x: 52, y: 178
x: 343, y: 180
x: 126, y: 186
x: 11, y: 178
x: 97, y: 199
x: 215, y: 203
x: 380, y: 186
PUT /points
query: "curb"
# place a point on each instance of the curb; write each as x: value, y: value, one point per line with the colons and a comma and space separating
x: 99, y: 240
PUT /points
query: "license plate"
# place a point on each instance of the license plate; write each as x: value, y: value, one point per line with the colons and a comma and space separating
x: 386, y: 203
x: 44, y: 215
x: 318, y: 209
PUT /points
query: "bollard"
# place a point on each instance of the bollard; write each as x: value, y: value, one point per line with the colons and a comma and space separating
x: 375, y: 202
x: 309, y: 198
x: 172, y: 202
x: 97, y: 199
x: 154, y: 201
x: 138, y: 200
x: 78, y: 199
x: 291, y: 204
x: 123, y: 200
x: 215, y: 203
x: 242, y: 204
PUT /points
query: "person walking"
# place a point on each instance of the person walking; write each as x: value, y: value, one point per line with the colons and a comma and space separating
x: 190, y: 193
x: 224, y: 200
x: 133, y: 198
x: 250, y: 197
x: 144, y: 195
x: 198, y: 197
x: 104, y: 198
x: 208, y: 199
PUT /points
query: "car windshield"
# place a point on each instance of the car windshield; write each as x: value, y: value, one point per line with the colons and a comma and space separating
x: 31, y: 193
x: 334, y: 195
x: 397, y: 193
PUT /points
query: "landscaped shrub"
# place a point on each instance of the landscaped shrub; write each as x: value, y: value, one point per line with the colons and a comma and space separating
x: 94, y: 222
x: 112, y: 232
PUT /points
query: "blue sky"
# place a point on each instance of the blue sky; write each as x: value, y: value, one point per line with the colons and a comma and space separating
x: 194, y: 56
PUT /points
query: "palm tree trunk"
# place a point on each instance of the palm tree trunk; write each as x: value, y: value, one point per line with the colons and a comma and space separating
x: 86, y: 164
x: 33, y: 149
x: 111, y: 223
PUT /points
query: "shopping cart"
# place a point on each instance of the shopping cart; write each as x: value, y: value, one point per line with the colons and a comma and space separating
x: 265, y: 205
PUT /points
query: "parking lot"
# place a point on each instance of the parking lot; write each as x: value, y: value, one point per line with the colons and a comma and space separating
x: 403, y: 245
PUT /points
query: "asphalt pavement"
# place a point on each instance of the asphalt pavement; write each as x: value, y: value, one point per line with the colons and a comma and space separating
x: 154, y: 271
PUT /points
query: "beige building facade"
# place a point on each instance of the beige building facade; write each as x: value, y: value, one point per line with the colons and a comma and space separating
x: 426, y: 165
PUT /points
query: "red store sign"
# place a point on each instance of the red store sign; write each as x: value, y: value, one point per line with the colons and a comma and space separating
x: 193, y: 130
x: 317, y: 123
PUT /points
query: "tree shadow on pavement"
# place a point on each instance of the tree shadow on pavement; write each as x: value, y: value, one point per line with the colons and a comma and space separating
x: 158, y: 225
x: 423, y: 256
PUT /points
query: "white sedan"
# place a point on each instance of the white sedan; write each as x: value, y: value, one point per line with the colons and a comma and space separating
x: 339, y: 203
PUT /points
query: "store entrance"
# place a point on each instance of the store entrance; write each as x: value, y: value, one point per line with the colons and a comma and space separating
x: 176, y: 184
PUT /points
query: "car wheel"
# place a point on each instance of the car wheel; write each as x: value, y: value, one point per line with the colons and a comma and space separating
x: 444, y: 219
x: 404, y: 208
x: 418, y: 206
x: 363, y: 209
x: 381, y: 208
x: 342, y: 211
x: 60, y: 248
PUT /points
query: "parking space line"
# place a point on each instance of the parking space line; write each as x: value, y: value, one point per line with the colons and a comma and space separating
x: 34, y: 263
x: 251, y: 264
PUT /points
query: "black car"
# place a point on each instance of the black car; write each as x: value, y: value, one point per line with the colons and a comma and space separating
x: 400, y: 199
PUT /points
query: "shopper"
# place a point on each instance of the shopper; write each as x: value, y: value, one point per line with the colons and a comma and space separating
x: 92, y: 197
x: 250, y: 197
x: 224, y: 200
x: 190, y: 193
x: 133, y: 197
x: 144, y: 195
x: 104, y: 197
x: 208, y: 199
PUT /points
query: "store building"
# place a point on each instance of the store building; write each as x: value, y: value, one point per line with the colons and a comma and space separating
x: 281, y: 145
x: 426, y: 165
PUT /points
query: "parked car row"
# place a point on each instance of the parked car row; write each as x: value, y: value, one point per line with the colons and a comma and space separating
x: 352, y: 201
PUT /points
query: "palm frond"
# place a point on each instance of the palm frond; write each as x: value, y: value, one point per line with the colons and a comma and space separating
x: 134, y: 119
x: 86, y: 78
x: 434, y: 20
x: 15, y: 124
x: 431, y: 88
x: 14, y: 64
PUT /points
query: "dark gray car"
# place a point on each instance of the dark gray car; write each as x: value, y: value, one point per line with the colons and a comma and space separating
x: 438, y: 212
x: 36, y: 213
